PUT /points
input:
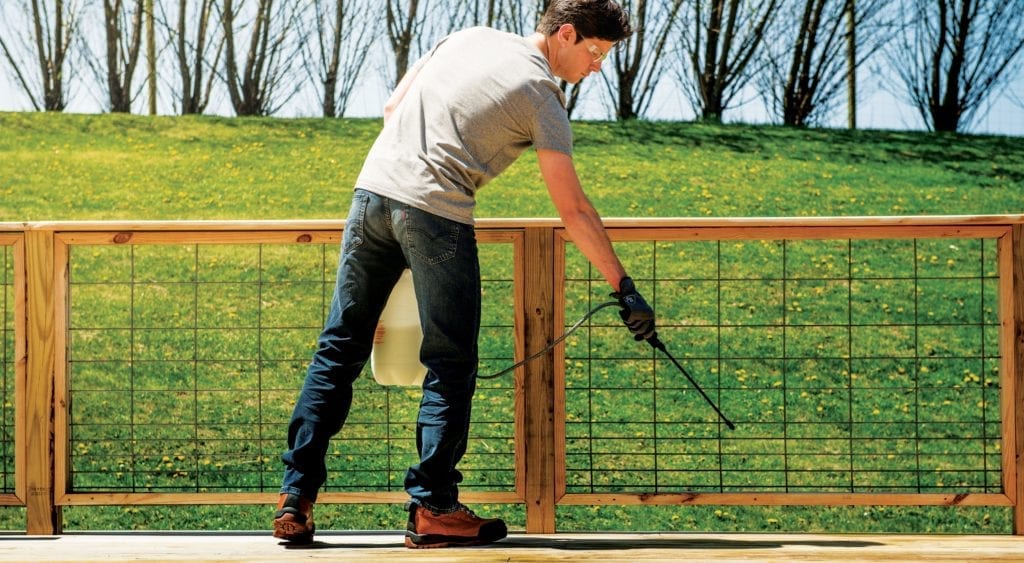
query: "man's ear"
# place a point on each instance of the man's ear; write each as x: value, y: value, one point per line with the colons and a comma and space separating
x: 566, y: 34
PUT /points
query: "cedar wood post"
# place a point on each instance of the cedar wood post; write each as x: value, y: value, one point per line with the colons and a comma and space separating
x: 539, y: 380
x: 42, y: 516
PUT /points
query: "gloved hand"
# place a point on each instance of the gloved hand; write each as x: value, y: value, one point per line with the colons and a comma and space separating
x: 635, y: 312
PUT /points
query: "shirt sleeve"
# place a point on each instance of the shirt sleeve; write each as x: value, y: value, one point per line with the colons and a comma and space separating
x: 551, y: 129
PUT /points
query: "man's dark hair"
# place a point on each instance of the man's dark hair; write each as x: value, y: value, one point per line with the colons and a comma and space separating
x: 596, y: 19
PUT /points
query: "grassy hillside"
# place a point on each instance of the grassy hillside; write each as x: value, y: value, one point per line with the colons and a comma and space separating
x: 63, y: 167
x: 102, y: 167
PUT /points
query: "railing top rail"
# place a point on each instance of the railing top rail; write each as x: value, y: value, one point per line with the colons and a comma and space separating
x: 515, y: 223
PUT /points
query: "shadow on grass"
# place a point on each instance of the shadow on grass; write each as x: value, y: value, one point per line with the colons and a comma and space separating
x: 989, y: 156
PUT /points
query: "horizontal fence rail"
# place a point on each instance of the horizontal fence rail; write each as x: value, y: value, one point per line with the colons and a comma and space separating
x: 864, y: 361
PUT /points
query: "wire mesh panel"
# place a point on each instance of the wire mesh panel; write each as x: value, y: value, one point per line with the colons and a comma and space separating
x: 7, y: 369
x: 185, y: 361
x: 848, y: 366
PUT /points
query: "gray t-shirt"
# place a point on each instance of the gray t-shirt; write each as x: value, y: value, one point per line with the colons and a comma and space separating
x: 481, y: 97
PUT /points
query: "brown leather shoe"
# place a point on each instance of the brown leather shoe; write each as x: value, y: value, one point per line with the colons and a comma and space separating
x: 293, y: 520
x: 459, y: 528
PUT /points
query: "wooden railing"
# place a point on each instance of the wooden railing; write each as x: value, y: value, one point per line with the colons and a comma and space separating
x: 562, y: 426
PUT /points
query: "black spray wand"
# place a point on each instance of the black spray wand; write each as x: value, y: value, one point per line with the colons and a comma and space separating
x: 659, y: 345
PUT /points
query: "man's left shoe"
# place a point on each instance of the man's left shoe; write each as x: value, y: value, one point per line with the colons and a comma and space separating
x: 293, y: 520
x: 427, y: 529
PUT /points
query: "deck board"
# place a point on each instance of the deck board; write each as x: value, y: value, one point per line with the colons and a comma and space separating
x: 347, y: 546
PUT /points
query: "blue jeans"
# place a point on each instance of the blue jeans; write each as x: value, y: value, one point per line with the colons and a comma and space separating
x: 382, y: 238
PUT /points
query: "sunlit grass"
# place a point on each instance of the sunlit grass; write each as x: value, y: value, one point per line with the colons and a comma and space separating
x: 89, y: 167
x: 59, y: 167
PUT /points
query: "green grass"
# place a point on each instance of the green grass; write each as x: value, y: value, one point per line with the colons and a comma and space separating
x: 102, y: 167
x: 72, y: 167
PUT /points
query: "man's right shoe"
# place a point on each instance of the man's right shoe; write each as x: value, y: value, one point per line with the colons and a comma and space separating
x: 293, y: 520
x: 459, y: 528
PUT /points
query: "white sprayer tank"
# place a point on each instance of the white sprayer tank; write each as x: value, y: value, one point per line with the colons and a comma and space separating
x: 395, y: 358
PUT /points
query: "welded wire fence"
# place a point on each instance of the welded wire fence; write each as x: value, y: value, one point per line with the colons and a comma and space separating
x: 7, y: 370
x: 185, y: 361
x: 848, y: 366
x: 862, y: 361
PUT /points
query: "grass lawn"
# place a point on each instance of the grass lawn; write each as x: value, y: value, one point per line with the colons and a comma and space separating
x: 72, y: 167
x: 106, y: 167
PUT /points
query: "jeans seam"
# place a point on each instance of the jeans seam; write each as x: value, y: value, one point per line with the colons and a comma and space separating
x: 355, y: 225
x: 387, y: 214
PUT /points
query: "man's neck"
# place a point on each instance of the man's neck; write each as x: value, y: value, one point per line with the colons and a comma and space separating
x: 540, y: 41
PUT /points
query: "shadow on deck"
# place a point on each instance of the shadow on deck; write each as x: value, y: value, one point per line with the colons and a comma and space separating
x: 388, y: 546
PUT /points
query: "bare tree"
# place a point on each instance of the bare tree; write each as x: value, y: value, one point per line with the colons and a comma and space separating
x: 197, y: 44
x: 443, y: 17
x: 265, y: 82
x: 519, y: 17
x: 805, y: 71
x: 41, y: 34
x: 467, y: 13
x: 720, y: 43
x: 404, y: 24
x: 122, y: 26
x: 953, y: 55
x: 413, y: 26
x: 337, y: 49
x: 1017, y: 96
x: 638, y: 62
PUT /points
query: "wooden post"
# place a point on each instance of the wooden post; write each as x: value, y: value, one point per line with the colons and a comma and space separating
x: 1016, y: 352
x: 539, y: 382
x: 42, y: 515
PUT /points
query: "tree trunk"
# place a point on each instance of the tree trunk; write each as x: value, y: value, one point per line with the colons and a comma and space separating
x: 639, y: 62
x: 192, y: 56
x: 151, y: 56
x: 51, y: 56
x: 709, y: 84
x: 851, y: 64
x: 946, y: 109
x: 331, y: 72
x: 721, y: 50
x: 123, y: 48
x: 400, y: 32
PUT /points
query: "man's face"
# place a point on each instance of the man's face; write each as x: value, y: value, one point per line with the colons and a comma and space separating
x: 576, y: 60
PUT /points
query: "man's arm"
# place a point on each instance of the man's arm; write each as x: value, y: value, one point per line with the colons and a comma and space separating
x: 587, y: 232
x: 578, y: 214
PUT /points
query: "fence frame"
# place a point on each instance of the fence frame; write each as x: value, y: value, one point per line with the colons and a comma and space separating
x: 16, y: 241
x: 41, y: 310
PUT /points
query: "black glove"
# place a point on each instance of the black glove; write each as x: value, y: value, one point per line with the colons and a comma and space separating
x: 635, y: 312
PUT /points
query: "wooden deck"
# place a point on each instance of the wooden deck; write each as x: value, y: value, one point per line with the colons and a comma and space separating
x: 199, y: 547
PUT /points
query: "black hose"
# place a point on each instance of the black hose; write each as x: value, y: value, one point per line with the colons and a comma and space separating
x: 653, y: 340
x: 547, y: 348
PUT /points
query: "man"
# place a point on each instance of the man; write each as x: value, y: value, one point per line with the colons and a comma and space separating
x: 459, y: 117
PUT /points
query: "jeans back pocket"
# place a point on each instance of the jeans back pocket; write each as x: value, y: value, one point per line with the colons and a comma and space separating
x: 430, y: 238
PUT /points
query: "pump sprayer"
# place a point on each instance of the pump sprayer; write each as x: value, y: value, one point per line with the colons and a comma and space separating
x: 395, y: 357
